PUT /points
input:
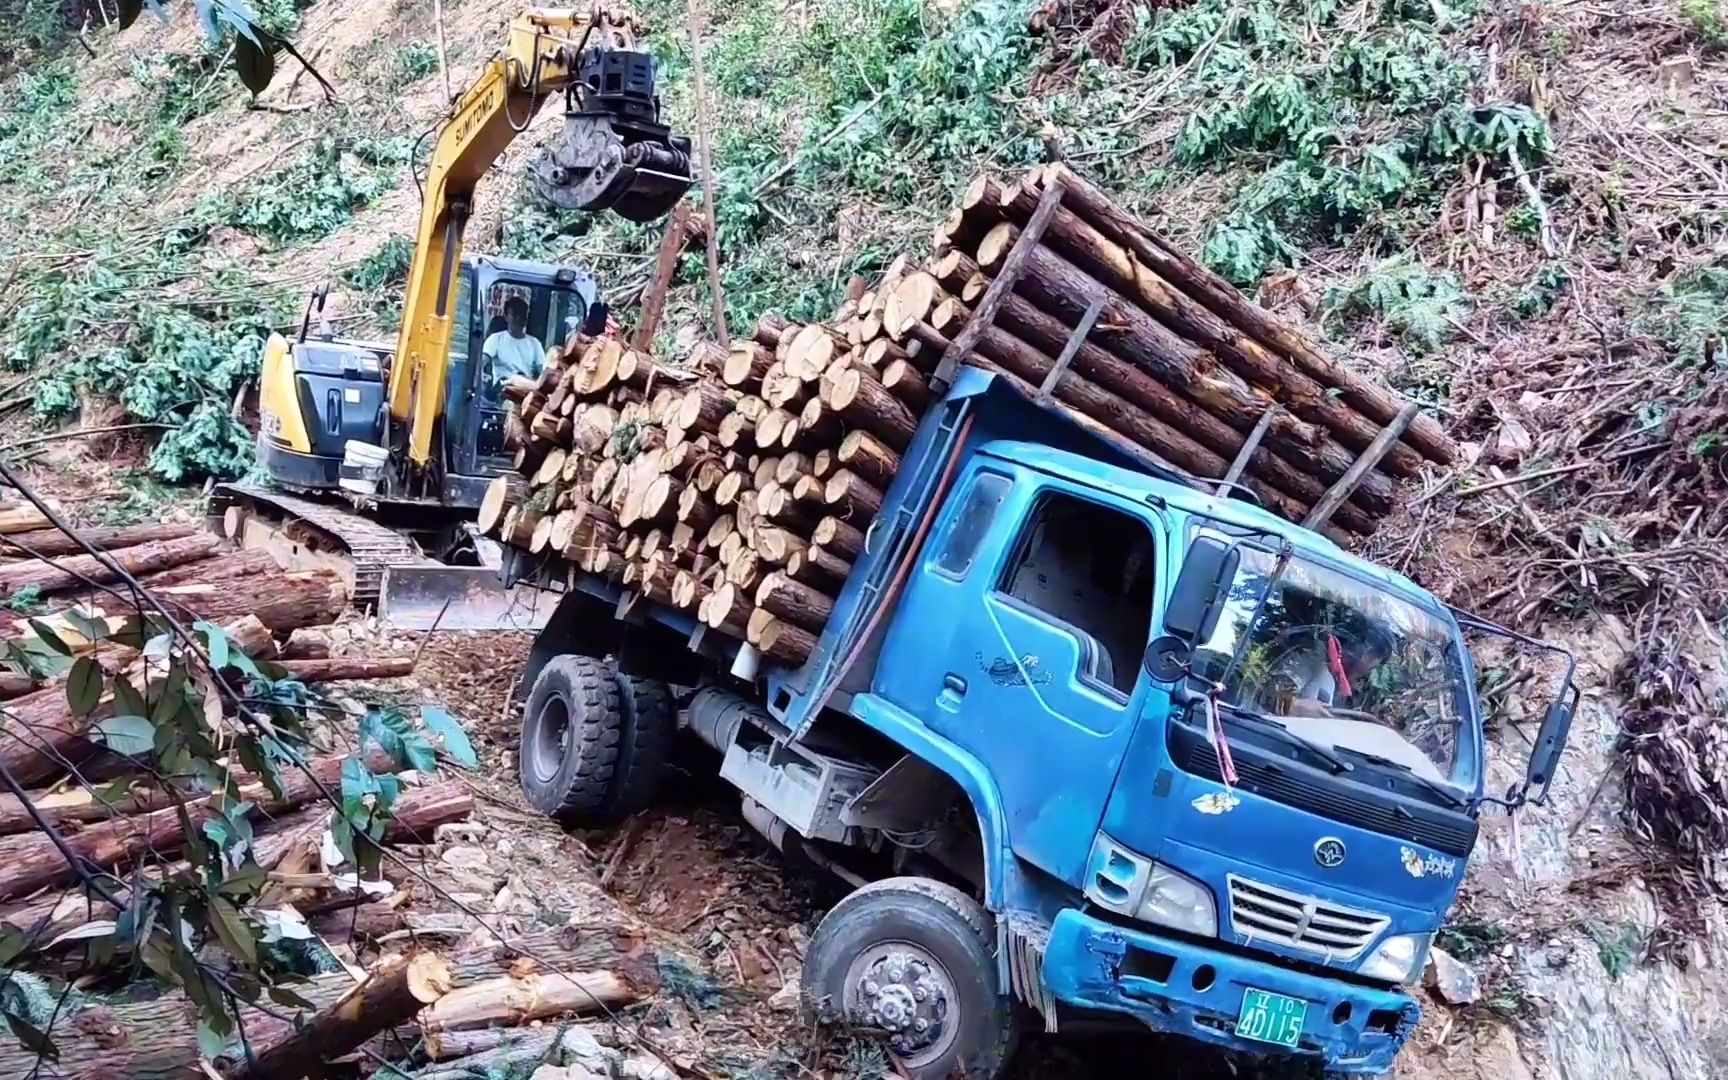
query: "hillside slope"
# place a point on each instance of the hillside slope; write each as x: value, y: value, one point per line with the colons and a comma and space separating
x: 1515, y: 213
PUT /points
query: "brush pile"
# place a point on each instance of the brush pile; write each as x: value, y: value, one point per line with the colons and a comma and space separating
x: 740, y: 486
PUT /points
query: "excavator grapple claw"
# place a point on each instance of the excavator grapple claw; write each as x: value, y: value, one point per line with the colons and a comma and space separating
x: 600, y: 162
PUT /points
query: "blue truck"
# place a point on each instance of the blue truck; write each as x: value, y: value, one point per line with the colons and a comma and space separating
x: 1077, y: 734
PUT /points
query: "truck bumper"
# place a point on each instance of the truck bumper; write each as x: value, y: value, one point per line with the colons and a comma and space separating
x: 1184, y: 989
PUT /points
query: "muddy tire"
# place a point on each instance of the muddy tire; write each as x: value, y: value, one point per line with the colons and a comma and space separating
x: 571, y: 732
x: 906, y: 951
x: 644, y: 747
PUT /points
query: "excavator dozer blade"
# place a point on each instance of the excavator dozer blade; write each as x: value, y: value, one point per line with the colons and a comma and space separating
x: 424, y: 597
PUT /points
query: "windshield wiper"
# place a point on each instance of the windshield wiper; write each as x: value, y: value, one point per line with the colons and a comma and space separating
x: 1441, y: 790
x: 1339, y: 765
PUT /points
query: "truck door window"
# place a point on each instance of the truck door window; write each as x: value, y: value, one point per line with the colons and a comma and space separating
x: 971, y: 522
x: 1089, y: 569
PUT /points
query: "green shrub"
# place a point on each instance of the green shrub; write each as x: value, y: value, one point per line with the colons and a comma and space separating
x: 1412, y: 302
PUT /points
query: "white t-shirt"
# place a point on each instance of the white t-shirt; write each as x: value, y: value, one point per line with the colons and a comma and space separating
x: 514, y: 355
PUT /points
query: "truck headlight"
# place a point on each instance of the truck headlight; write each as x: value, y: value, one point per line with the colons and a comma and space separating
x: 1398, y: 959
x: 1176, y: 900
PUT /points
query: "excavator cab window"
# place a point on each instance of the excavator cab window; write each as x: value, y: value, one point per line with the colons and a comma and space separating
x: 510, y: 326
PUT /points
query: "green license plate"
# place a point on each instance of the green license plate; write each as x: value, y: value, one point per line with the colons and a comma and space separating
x: 1271, y: 1018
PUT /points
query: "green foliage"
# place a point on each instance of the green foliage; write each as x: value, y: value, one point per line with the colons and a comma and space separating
x: 1335, y: 130
x: 1542, y: 292
x: 1690, y: 314
x: 1419, y: 306
x: 1617, y: 950
x: 319, y: 190
x: 25, y: 600
x: 1469, y: 939
x: 415, y: 60
x: 1707, y: 21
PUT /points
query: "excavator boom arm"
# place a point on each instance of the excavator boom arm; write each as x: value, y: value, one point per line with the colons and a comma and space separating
x: 548, y: 51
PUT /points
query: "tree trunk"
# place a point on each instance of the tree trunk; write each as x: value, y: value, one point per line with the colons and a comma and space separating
x: 391, y: 996
x: 865, y: 455
x: 41, y: 734
x: 1273, y: 480
x: 1058, y: 286
x: 862, y: 402
x: 505, y: 490
x: 839, y: 537
x: 15, y: 684
x: 852, y: 497
x: 798, y: 604
x: 23, y: 519
x: 31, y: 862
x: 54, y: 542
x: 1372, y: 400
x: 73, y: 572
x: 520, y: 1000
x: 348, y: 668
x: 157, y: 1039
x: 281, y: 601
x: 789, y: 644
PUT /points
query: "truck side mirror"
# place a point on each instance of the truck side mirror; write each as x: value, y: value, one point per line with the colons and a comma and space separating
x: 1194, y: 607
x: 1550, y: 743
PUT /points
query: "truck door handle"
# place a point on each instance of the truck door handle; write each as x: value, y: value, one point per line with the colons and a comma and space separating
x: 953, y: 689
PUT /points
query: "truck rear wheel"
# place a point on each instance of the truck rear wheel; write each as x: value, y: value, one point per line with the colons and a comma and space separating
x: 645, y: 744
x: 916, y: 960
x: 571, y: 731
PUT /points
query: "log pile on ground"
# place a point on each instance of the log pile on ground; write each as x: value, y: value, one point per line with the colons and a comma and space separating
x: 740, y: 486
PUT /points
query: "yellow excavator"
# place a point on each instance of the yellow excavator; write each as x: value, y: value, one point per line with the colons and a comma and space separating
x: 377, y: 454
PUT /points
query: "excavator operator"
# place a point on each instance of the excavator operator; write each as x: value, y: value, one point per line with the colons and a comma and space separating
x: 513, y: 350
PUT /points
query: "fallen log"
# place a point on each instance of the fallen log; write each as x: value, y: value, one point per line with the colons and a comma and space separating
x: 390, y: 996
x: 41, y: 734
x: 157, y: 1039
x: 522, y: 999
x: 281, y: 601
x: 349, y: 668
x: 415, y: 818
x: 54, y: 542
x: 80, y: 570
x: 31, y: 861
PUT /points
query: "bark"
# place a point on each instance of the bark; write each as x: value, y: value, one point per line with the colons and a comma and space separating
x: 55, y: 542
x: 15, y: 684
x: 1279, y: 484
x: 505, y: 490
x: 703, y: 407
x: 828, y: 565
x: 785, y: 642
x: 865, y: 455
x: 769, y: 327
x: 861, y: 401
x: 31, y: 862
x: 1059, y: 286
x: 40, y: 734
x: 1373, y: 401
x: 281, y: 601
x: 838, y: 536
x: 73, y: 572
x: 349, y: 668
x: 905, y: 382
x: 795, y: 603
x: 727, y: 608
x: 851, y: 497
x: 390, y: 996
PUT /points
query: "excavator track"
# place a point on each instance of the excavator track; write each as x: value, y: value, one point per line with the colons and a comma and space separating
x: 369, y: 546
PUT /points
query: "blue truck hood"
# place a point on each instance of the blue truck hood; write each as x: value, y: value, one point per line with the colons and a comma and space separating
x: 1214, y: 833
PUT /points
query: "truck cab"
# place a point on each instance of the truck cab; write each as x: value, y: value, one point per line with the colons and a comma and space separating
x: 1096, y: 744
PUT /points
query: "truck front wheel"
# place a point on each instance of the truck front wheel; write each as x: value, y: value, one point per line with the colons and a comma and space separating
x: 915, y: 960
x: 571, y: 730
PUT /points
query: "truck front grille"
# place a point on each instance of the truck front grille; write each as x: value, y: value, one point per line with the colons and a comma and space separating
x: 1262, y: 912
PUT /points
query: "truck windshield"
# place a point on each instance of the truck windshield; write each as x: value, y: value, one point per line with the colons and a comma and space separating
x: 1345, y: 665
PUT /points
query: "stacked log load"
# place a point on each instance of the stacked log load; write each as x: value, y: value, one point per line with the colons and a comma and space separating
x: 740, y: 485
